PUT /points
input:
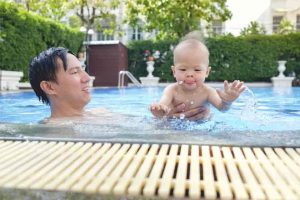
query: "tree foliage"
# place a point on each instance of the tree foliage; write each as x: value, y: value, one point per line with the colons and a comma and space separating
x: 96, y: 13
x: 286, y: 27
x: 254, y: 28
x: 54, y: 9
x: 174, y: 18
x: 24, y: 35
x: 87, y: 13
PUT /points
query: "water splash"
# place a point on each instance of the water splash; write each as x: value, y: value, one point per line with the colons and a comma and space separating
x: 250, y: 107
x: 181, y: 116
x: 249, y: 114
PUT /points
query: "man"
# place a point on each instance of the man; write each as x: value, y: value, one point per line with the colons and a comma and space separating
x: 59, y: 80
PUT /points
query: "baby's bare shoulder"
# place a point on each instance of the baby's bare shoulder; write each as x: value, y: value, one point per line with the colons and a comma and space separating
x: 171, y: 88
x: 206, y: 90
x: 209, y: 89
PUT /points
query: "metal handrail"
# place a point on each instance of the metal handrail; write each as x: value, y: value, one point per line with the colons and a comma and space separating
x: 130, y: 76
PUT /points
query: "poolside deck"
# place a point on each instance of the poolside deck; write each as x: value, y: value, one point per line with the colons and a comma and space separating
x: 151, y: 170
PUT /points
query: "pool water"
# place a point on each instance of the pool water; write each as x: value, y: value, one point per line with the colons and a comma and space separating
x: 261, y: 116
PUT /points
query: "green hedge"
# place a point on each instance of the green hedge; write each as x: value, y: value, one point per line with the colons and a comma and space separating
x: 251, y: 58
x: 24, y: 35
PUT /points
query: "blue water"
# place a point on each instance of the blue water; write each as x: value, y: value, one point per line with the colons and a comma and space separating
x: 261, y: 116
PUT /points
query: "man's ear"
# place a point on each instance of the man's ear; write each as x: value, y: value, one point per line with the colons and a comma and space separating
x: 207, y: 72
x: 47, y: 87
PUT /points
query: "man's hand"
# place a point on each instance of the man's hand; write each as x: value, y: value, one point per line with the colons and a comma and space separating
x: 231, y: 91
x: 198, y: 113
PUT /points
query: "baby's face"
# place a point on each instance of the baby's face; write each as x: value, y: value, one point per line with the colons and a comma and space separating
x: 191, y: 68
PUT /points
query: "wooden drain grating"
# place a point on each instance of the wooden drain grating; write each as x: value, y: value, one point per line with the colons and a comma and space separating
x: 151, y: 170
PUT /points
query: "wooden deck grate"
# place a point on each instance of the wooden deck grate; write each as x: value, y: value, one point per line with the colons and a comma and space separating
x: 152, y: 170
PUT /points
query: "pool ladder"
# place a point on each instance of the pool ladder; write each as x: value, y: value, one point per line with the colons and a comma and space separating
x: 122, y: 74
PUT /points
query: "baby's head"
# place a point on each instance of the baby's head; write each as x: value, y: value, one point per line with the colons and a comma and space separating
x: 191, y: 49
x: 191, y: 62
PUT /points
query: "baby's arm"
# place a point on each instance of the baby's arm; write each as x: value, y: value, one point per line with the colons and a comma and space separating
x: 222, y: 99
x: 162, y: 108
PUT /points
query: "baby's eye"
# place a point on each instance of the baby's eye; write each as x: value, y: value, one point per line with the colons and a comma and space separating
x: 198, y: 70
x: 183, y: 70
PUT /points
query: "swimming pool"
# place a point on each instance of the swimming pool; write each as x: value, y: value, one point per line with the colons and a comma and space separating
x: 268, y: 117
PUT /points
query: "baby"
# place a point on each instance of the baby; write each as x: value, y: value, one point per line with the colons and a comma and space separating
x: 191, y: 67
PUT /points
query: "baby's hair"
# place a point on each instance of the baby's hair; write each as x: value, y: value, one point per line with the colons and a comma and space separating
x: 195, y: 35
x: 193, y: 39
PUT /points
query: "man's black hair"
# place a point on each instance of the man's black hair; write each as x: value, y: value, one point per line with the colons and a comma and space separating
x: 44, y: 67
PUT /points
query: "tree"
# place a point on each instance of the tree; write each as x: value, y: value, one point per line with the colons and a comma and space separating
x: 87, y: 13
x: 286, y: 27
x: 93, y: 13
x: 172, y: 18
x: 254, y: 28
x: 54, y: 9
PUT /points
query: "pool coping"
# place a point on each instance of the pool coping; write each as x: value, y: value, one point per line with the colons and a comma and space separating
x: 130, y: 141
x: 148, y: 171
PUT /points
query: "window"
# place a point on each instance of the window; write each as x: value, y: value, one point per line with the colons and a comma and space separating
x: 90, y: 37
x: 217, y: 27
x: 137, y: 33
x: 104, y: 27
x: 298, y: 23
x: 102, y: 36
x: 276, y: 22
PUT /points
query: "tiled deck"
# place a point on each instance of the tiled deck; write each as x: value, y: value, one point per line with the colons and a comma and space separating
x: 151, y: 170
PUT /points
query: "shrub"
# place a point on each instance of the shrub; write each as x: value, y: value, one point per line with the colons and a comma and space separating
x: 249, y: 58
x: 24, y: 35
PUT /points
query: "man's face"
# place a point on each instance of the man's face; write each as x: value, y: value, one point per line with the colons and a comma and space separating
x: 72, y: 85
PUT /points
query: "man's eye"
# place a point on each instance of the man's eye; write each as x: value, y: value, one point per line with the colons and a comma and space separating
x: 74, y: 72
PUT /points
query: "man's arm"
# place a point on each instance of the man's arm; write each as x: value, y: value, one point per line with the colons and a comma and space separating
x: 198, y: 113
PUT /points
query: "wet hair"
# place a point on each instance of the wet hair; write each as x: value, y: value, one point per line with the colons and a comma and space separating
x: 44, y: 68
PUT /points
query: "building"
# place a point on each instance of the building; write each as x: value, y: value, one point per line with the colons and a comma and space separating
x: 268, y: 13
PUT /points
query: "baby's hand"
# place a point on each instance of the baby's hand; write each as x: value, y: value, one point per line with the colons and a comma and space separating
x: 159, y: 110
x: 231, y: 91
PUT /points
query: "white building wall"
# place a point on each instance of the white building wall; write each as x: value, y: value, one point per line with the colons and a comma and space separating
x: 245, y: 11
x: 262, y: 11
